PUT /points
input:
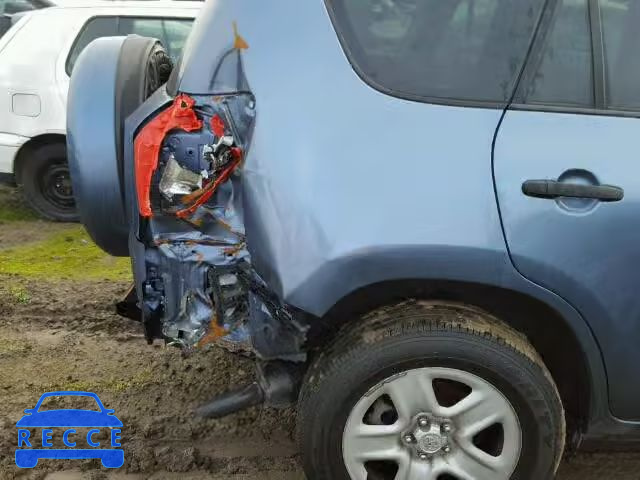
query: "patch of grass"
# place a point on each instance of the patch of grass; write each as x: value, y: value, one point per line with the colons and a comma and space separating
x: 140, y: 379
x: 66, y: 255
x: 20, y: 294
x: 12, y: 207
x: 8, y: 346
x: 13, y: 293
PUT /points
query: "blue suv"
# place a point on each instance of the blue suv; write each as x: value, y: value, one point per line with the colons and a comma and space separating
x: 418, y: 216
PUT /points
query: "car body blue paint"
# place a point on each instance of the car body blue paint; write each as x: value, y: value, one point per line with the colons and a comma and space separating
x: 345, y: 186
x: 93, y: 139
x: 585, y: 251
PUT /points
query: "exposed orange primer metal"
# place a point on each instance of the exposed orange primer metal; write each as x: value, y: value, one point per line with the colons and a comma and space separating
x: 214, y: 333
x: 239, y: 43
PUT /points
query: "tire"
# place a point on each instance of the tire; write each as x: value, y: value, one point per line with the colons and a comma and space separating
x: 397, y: 347
x: 112, y: 78
x: 46, y: 184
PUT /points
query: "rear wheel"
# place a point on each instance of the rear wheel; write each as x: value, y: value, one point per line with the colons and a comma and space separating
x: 430, y: 392
x: 46, y: 183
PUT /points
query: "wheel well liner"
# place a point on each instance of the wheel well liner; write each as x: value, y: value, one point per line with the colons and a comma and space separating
x: 549, y: 333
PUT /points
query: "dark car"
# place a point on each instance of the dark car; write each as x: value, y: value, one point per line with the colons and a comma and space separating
x: 418, y: 216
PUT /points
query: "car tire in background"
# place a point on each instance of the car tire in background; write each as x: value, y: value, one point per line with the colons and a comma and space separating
x: 46, y: 183
x: 111, y: 78
x: 430, y: 391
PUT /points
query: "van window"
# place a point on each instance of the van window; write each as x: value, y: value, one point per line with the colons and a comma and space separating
x: 172, y: 32
x: 438, y: 49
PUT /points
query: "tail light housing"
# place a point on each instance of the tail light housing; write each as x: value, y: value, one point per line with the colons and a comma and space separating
x: 171, y: 182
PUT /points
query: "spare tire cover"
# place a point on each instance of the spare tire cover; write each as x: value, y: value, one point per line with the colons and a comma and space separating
x: 112, y: 77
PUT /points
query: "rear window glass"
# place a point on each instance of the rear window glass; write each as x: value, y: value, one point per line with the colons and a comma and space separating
x: 438, y: 49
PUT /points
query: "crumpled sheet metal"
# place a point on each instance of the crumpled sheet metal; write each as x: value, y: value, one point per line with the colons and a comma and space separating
x: 213, y: 236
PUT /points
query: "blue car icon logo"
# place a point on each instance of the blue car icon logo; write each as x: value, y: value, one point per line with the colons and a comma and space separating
x: 29, y: 452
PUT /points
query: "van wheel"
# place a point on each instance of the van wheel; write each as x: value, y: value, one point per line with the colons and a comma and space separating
x: 430, y: 391
x: 46, y: 183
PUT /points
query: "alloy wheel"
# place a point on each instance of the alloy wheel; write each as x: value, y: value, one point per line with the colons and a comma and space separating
x: 432, y: 424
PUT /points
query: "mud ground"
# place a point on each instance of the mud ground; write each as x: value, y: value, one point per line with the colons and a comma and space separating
x: 64, y: 335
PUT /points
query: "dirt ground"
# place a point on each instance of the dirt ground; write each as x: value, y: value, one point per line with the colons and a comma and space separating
x: 60, y: 334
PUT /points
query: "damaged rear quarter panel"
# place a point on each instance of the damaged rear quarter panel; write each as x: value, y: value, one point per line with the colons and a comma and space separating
x: 344, y: 186
x: 193, y: 271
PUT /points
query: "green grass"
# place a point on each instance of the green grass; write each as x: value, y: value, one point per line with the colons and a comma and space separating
x: 14, y: 346
x: 12, y: 207
x: 66, y: 255
x: 19, y: 294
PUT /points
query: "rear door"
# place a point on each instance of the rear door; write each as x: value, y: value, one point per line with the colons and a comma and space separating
x: 573, y: 130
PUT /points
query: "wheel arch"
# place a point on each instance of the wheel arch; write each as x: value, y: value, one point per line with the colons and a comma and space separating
x: 562, y: 348
x: 32, y: 144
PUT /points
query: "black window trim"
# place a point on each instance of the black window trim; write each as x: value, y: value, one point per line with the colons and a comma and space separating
x: 599, y: 75
x: 117, y: 17
x: 454, y: 102
x: 575, y: 110
x: 598, y: 65
x: 597, y: 48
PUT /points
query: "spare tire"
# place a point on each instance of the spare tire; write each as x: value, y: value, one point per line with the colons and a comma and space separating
x: 112, y: 77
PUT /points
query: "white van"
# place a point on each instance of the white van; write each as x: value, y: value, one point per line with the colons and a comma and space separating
x: 37, y: 56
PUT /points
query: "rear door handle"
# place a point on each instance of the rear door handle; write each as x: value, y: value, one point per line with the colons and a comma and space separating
x: 555, y: 189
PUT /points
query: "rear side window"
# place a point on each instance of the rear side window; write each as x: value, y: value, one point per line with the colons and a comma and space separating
x: 620, y: 20
x: 171, y: 32
x: 560, y: 72
x: 438, y: 49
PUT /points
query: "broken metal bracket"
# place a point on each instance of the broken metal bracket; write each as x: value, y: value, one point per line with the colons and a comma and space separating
x: 128, y: 306
x: 277, y: 385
